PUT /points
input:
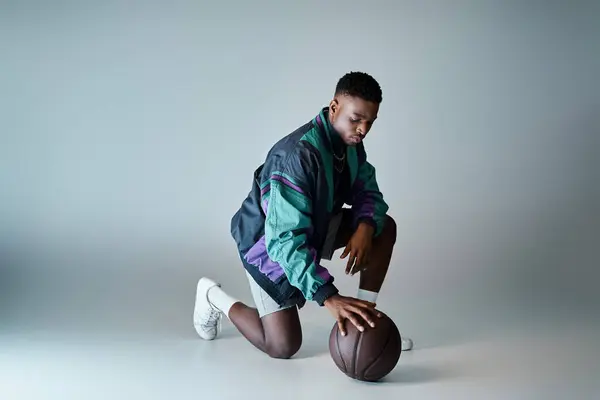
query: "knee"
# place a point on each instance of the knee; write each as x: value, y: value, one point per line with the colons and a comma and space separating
x: 389, y: 229
x: 284, y: 349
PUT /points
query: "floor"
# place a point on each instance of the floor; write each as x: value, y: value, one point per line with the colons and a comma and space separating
x: 521, y: 365
x: 87, y: 333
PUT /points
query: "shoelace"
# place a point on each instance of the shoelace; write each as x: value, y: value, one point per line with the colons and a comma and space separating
x: 212, y: 320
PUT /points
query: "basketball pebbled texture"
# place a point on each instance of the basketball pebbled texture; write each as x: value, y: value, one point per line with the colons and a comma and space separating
x: 369, y: 355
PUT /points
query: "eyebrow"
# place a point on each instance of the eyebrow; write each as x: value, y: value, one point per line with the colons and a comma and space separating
x: 361, y: 115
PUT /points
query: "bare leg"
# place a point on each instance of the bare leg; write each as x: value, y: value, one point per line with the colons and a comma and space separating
x: 278, y: 334
x: 381, y: 254
x: 372, y: 278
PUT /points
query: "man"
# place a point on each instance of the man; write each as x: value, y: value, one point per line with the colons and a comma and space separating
x: 294, y: 216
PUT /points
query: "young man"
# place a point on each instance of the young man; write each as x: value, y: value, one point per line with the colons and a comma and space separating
x: 294, y: 217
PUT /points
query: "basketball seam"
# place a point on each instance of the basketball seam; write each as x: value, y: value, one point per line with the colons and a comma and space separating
x: 355, y: 352
x: 337, y: 345
x: 378, y: 355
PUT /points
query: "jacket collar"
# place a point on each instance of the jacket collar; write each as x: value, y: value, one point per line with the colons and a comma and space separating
x: 333, y: 138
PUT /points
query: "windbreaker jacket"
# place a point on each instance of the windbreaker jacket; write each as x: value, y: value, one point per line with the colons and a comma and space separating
x: 282, y: 224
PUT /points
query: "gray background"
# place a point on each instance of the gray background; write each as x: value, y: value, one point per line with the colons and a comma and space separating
x: 129, y: 133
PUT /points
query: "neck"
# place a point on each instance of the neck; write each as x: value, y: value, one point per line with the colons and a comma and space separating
x: 336, y: 140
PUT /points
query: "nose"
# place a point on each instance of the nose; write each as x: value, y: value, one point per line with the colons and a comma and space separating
x: 363, y: 129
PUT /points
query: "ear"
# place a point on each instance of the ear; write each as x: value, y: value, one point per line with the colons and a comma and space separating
x: 333, y: 107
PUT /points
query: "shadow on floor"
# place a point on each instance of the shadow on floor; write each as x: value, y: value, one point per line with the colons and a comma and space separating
x: 411, y: 374
x: 315, y: 341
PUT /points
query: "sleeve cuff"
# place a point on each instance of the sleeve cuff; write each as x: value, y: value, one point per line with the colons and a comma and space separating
x: 369, y: 221
x: 325, y: 292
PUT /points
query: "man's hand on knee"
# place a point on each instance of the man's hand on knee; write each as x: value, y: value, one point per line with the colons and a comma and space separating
x: 358, y: 248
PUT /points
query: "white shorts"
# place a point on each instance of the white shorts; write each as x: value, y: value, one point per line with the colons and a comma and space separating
x: 263, y: 302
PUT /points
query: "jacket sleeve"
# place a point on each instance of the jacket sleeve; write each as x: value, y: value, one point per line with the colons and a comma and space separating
x: 288, y: 227
x: 367, y: 200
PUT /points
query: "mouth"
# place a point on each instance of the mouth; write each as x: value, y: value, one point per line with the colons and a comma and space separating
x: 356, y: 139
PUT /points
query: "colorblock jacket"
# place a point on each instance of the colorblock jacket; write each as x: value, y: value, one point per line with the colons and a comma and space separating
x: 282, y: 224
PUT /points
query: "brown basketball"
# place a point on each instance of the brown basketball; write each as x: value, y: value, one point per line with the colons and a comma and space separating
x: 369, y: 355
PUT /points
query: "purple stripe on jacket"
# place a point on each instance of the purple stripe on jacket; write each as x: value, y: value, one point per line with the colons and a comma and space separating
x: 363, y: 204
x: 265, y: 205
x: 265, y: 189
x: 288, y: 183
x: 321, y: 271
x: 366, y: 208
x: 319, y: 121
x: 257, y: 255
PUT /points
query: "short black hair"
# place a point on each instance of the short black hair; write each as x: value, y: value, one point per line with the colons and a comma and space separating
x: 361, y: 85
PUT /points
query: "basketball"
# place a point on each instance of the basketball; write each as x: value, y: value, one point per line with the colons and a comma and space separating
x: 369, y: 355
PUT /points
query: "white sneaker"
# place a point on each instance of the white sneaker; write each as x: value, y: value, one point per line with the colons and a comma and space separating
x: 207, y: 318
x: 407, y: 344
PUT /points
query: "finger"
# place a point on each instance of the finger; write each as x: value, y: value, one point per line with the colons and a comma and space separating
x: 365, y: 314
x: 365, y: 260
x: 355, y: 265
x: 373, y: 310
x: 360, y: 268
x: 358, y: 264
x: 350, y: 262
x: 369, y: 307
x: 345, y: 252
x: 352, y: 318
x: 341, y: 327
x: 363, y: 317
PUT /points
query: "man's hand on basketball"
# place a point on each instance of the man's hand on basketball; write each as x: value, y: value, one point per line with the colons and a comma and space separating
x: 357, y: 311
x: 358, y: 248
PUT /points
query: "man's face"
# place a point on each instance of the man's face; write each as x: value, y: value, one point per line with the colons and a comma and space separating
x: 352, y: 118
